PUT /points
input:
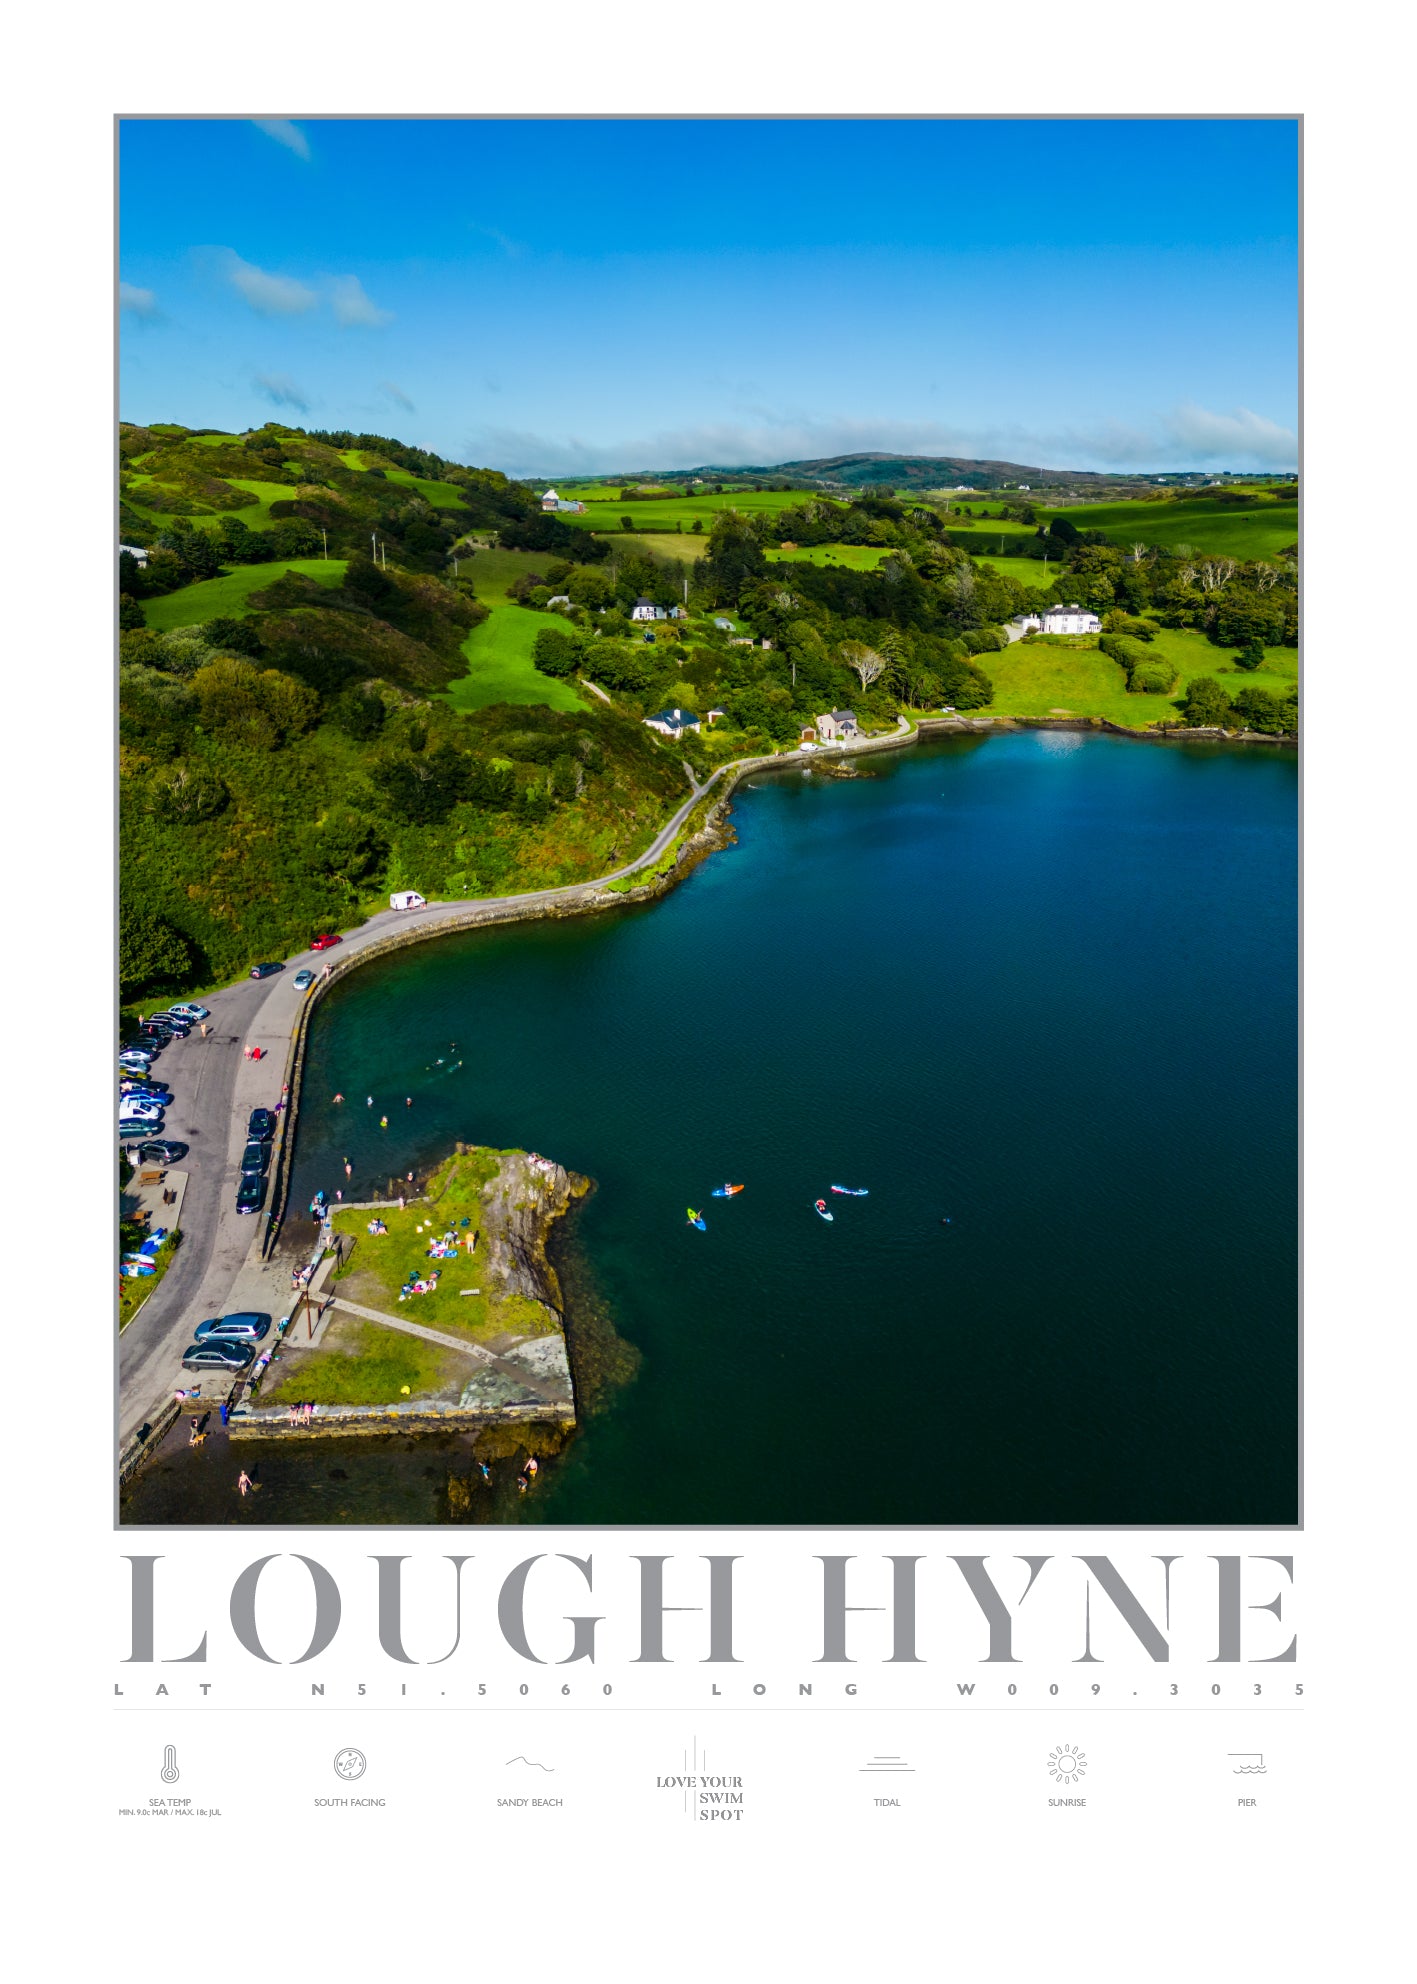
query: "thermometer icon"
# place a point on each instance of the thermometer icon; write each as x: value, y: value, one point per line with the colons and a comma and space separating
x: 170, y: 1772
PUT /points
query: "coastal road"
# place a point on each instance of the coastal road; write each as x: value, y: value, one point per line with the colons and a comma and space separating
x: 216, y: 1087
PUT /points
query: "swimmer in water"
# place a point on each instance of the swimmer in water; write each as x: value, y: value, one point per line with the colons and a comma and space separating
x: 531, y: 1464
x: 521, y: 1484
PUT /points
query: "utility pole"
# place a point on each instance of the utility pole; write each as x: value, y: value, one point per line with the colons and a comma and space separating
x: 324, y: 543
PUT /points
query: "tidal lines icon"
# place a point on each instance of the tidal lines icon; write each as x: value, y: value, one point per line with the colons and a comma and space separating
x: 887, y: 1764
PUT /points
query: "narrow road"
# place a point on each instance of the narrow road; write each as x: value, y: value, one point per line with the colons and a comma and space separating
x: 216, y: 1088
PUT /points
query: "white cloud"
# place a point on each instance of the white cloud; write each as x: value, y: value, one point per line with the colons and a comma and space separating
x: 1189, y: 437
x: 397, y: 395
x: 353, y: 306
x: 271, y: 296
x: 281, y: 390
x: 1242, y: 436
x: 141, y: 302
x: 285, y: 133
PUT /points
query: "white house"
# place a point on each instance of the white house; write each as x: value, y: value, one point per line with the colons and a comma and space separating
x: 134, y: 551
x: 1073, y: 619
x: 714, y: 714
x: 673, y: 723
x: 836, y: 726
x: 550, y: 500
x: 645, y: 609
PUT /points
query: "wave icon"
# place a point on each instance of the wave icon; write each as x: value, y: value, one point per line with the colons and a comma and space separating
x: 530, y: 1763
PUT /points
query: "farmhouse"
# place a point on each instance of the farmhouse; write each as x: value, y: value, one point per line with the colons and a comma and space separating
x: 134, y: 551
x: 1072, y: 619
x: 836, y: 726
x: 551, y: 501
x: 673, y: 723
x: 714, y: 714
x: 645, y: 609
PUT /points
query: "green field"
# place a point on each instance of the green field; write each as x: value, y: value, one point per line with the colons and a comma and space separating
x: 228, y: 597
x: 1024, y: 571
x: 853, y: 557
x: 257, y: 517
x: 1261, y: 529
x: 658, y: 514
x: 1048, y: 678
x: 499, y: 664
x: 441, y: 495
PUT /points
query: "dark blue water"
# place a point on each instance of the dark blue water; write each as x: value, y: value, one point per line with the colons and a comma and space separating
x: 1042, y: 985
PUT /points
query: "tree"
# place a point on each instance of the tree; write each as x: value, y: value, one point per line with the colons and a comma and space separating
x: 1250, y: 657
x: 864, y: 662
x: 151, y: 951
x: 185, y: 794
x: 1206, y: 705
x: 235, y: 636
x: 130, y: 614
x: 697, y: 526
x: 555, y: 653
x: 627, y: 523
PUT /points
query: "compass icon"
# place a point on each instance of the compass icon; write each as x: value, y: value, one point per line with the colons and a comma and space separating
x: 350, y: 1764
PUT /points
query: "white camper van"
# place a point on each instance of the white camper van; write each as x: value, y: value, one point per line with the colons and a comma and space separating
x: 408, y: 899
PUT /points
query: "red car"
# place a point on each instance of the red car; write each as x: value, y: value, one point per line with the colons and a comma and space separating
x: 326, y: 943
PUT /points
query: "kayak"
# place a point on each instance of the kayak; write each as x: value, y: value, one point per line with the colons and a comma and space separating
x: 726, y: 1191
x: 697, y: 1219
x: 853, y: 1191
x: 822, y: 1209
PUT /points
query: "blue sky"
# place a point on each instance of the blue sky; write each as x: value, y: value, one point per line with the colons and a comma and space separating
x: 561, y: 296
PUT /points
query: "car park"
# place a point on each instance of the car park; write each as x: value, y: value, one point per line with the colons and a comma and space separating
x: 250, y: 1194
x: 193, y: 1013
x: 217, y: 1353
x: 262, y: 1123
x: 255, y: 1158
x: 245, y: 1326
x: 326, y: 941
x: 163, y: 1151
x: 304, y: 980
x: 266, y: 970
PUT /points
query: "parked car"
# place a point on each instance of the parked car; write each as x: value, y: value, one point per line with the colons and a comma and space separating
x: 304, y: 980
x: 162, y: 1152
x: 173, y: 1023
x: 407, y: 899
x: 262, y: 1123
x: 245, y: 1326
x: 217, y: 1353
x: 266, y: 970
x: 255, y: 1158
x: 326, y: 941
x: 250, y: 1194
x: 134, y: 1109
x: 193, y: 1013
x: 138, y: 1128
x: 145, y: 1092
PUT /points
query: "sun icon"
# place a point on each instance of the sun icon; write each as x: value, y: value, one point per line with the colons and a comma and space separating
x: 1066, y: 1764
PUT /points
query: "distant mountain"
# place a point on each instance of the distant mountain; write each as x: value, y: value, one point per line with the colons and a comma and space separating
x: 900, y: 471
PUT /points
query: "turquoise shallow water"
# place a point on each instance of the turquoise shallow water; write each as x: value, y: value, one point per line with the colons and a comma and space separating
x: 1042, y: 984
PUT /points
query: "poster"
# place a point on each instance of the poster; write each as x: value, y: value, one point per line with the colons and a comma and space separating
x: 707, y: 856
